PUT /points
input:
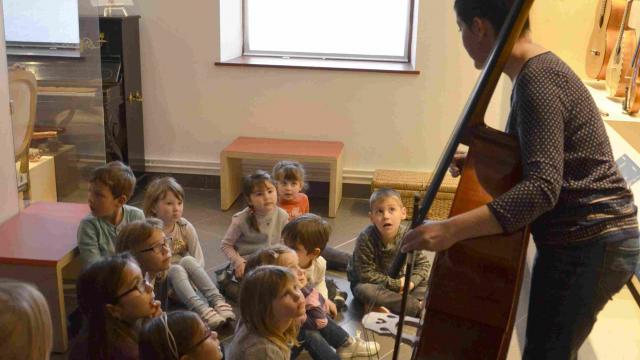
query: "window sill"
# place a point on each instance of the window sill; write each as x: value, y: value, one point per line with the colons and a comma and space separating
x: 344, y: 65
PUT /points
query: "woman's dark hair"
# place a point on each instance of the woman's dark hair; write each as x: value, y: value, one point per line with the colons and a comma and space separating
x: 495, y: 11
x: 97, y: 286
x: 154, y: 340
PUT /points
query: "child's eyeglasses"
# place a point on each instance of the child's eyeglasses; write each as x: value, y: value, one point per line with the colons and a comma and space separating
x: 207, y: 334
x: 157, y: 248
x: 141, y: 286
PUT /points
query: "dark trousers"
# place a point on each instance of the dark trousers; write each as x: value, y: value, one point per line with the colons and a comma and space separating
x: 371, y: 295
x: 321, y: 344
x: 228, y: 285
x: 570, y: 285
x: 336, y: 259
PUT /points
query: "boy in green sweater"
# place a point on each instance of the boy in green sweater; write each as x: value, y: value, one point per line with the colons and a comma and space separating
x: 110, y: 187
x: 376, y: 247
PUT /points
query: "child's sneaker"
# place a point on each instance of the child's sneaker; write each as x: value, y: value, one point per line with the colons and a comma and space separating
x: 212, y: 318
x: 341, y: 300
x: 355, y: 347
x: 225, y: 310
x: 380, y: 309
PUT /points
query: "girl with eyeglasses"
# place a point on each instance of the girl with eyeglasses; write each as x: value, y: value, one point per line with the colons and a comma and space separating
x: 114, y: 298
x: 179, y: 335
x: 146, y: 241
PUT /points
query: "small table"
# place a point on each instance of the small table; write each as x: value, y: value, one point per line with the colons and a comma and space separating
x: 309, y: 151
x: 34, y: 247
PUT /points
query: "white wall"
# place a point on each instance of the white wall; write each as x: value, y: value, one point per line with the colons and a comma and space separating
x: 8, y: 186
x: 193, y: 109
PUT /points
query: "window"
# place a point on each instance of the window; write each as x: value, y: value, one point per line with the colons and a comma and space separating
x: 329, y: 29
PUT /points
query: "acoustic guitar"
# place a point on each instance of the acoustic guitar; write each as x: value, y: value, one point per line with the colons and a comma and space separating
x: 609, y: 14
x: 631, y: 103
x: 619, y: 65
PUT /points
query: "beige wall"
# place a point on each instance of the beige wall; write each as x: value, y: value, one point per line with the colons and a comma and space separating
x: 564, y: 26
x: 8, y: 193
x: 193, y: 109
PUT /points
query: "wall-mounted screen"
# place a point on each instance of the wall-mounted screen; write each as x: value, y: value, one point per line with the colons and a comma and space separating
x: 41, y: 23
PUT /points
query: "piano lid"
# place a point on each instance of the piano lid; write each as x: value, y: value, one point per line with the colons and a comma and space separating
x: 80, y: 72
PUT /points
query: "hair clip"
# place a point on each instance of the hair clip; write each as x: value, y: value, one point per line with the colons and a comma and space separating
x: 172, y: 341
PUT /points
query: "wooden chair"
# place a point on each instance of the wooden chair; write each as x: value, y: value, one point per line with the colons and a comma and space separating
x: 23, y: 95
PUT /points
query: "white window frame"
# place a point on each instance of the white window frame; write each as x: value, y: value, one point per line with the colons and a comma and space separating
x: 406, y: 58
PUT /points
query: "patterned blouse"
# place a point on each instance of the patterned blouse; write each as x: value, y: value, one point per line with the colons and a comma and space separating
x: 572, y: 189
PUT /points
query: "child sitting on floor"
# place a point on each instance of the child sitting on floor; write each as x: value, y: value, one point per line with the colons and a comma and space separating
x: 271, y: 308
x: 26, y: 330
x: 308, y: 235
x: 254, y: 228
x: 290, y: 181
x: 178, y: 335
x: 376, y: 247
x: 320, y: 335
x: 164, y: 199
x: 115, y: 298
x: 289, y: 177
x: 147, y: 242
x: 110, y: 187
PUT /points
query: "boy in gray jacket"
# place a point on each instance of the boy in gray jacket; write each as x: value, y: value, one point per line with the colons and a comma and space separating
x: 376, y: 247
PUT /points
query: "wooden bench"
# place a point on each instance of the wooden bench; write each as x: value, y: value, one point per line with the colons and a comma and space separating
x: 304, y: 151
x: 34, y: 247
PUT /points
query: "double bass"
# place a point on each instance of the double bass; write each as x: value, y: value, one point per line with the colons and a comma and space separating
x: 474, y: 286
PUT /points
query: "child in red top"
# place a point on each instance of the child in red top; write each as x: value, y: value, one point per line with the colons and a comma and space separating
x: 289, y: 177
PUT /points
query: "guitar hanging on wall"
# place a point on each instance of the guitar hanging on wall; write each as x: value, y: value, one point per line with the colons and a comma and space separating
x: 619, y: 64
x: 609, y: 15
x: 631, y: 103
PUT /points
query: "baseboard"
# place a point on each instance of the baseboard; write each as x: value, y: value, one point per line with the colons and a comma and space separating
x: 315, y: 172
x: 206, y: 175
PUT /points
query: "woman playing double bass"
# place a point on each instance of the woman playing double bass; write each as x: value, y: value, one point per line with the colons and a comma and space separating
x: 582, y: 215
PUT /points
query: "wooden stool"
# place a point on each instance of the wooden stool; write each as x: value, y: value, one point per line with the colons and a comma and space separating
x: 309, y: 151
x: 409, y: 182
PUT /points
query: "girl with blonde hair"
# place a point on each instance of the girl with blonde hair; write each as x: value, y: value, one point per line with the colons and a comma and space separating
x: 320, y: 335
x: 272, y: 309
x: 164, y: 199
x: 25, y: 322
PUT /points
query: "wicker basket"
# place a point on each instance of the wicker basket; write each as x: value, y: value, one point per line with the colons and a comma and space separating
x: 407, y: 183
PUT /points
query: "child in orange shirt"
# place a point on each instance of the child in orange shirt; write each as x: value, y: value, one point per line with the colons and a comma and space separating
x: 290, y: 181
